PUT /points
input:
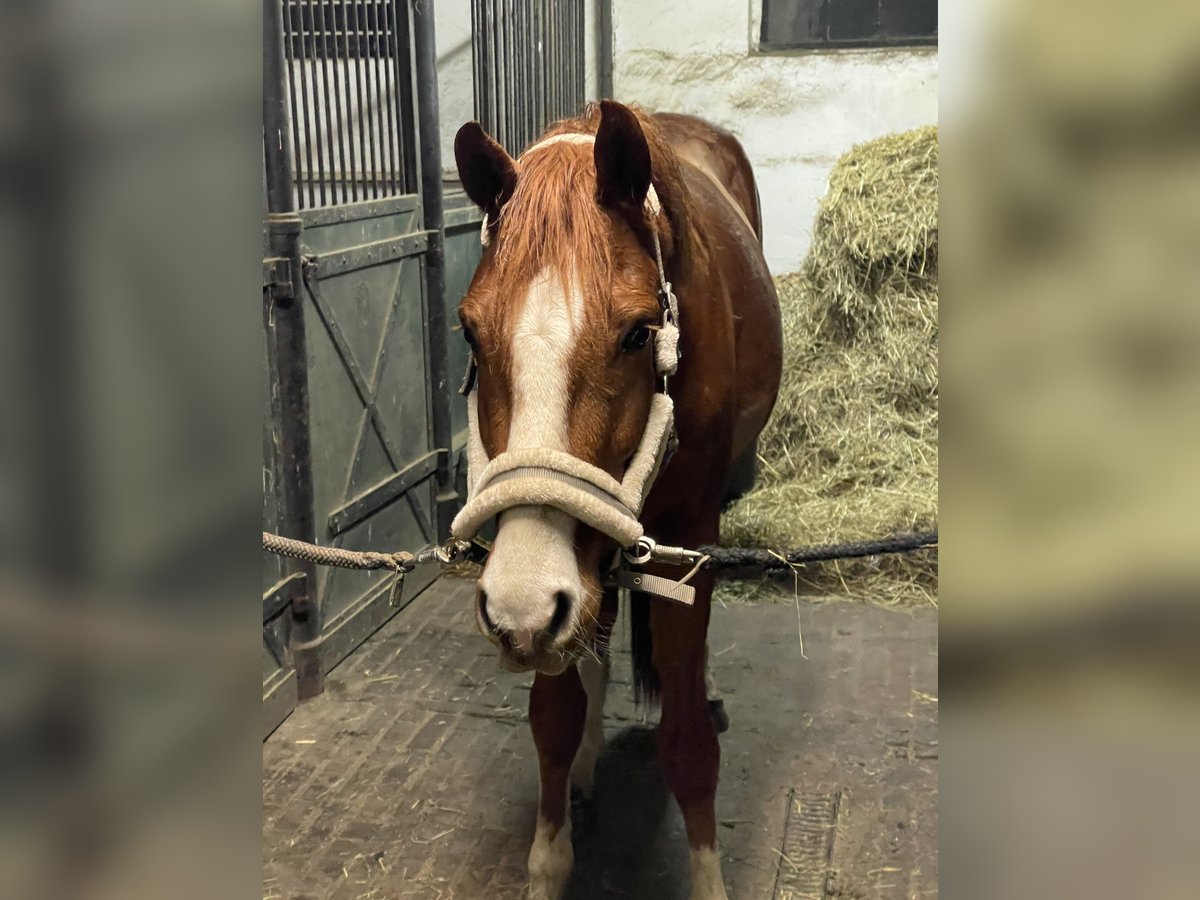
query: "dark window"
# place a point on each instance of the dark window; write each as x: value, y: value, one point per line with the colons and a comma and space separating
x: 848, y: 23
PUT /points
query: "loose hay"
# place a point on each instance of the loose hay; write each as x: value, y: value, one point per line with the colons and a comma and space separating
x: 851, y: 451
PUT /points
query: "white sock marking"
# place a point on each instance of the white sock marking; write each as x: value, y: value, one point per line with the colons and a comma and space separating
x: 594, y: 676
x: 707, y: 883
x: 550, y: 860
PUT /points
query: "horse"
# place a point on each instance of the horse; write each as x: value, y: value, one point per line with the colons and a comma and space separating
x: 615, y: 230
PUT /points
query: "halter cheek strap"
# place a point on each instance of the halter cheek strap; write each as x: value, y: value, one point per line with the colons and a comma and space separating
x: 546, y: 477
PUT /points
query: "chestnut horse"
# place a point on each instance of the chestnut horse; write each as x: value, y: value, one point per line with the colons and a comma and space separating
x: 561, y: 317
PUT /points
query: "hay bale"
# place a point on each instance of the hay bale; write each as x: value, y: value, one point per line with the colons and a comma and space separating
x: 851, y: 450
x: 873, y: 260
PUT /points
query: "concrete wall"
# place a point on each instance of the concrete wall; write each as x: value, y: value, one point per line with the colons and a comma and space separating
x: 795, y: 113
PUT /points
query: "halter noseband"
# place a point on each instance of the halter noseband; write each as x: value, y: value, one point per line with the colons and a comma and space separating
x: 541, y: 476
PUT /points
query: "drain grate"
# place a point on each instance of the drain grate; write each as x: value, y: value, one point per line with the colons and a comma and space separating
x: 807, y: 852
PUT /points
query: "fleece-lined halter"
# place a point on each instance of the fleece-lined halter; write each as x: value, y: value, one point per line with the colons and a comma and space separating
x: 541, y: 476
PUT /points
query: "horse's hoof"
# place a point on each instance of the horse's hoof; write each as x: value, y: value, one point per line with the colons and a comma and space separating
x: 716, y: 709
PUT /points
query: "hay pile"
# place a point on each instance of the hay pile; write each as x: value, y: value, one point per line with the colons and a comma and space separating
x: 852, y: 451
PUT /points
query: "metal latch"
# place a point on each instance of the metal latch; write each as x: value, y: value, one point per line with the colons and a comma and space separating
x: 277, y: 277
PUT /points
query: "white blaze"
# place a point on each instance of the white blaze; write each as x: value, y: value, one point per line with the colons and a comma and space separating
x: 543, y: 343
x: 533, y: 556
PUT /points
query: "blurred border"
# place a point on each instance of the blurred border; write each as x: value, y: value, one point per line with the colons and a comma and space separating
x: 130, y: 231
x: 1070, y: 384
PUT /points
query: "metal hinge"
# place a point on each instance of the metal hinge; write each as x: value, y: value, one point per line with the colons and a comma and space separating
x: 277, y: 277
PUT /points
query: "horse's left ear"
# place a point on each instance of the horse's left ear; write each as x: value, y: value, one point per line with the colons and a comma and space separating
x: 622, y: 157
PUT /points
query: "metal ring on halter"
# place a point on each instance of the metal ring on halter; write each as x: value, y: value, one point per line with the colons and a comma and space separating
x: 641, y: 552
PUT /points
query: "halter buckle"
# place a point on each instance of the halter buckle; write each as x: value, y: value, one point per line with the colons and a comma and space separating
x: 667, y: 349
x: 669, y: 302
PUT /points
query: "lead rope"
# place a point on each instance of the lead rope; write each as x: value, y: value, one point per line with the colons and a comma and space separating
x: 646, y: 550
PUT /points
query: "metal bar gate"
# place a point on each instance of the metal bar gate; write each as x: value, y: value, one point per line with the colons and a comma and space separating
x: 528, y: 66
x: 366, y: 253
x: 357, y: 434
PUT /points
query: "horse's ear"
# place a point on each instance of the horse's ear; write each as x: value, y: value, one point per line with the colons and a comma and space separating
x: 622, y: 157
x: 488, y: 174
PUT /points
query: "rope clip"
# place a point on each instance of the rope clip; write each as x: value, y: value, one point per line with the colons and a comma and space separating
x: 647, y: 550
x: 447, y: 554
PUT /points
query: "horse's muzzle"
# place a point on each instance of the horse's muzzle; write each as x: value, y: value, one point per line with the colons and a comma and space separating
x: 526, y: 649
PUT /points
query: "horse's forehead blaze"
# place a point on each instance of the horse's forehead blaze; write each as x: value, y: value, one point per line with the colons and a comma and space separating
x: 545, y: 340
x: 550, y: 332
x: 542, y: 338
x: 534, y: 556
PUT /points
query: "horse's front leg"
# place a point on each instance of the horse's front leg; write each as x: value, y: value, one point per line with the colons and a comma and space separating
x: 688, y: 750
x: 557, y: 709
x: 594, y: 673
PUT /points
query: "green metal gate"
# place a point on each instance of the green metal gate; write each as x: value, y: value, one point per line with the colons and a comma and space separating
x: 358, y: 443
x: 370, y: 398
x: 366, y: 256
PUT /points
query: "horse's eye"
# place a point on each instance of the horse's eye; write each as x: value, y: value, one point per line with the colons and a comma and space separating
x: 636, y: 338
x: 469, y: 336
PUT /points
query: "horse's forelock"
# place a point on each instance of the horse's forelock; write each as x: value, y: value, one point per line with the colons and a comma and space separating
x: 553, y: 223
x: 553, y: 220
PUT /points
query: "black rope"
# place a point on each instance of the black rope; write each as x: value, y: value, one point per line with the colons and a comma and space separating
x: 749, y: 557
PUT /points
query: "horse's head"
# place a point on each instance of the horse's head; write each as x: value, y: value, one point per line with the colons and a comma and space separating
x: 560, y: 317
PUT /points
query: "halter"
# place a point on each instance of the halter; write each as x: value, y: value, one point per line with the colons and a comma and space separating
x: 541, y: 476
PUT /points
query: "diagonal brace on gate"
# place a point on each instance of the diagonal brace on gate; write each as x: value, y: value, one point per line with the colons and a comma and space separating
x: 366, y: 390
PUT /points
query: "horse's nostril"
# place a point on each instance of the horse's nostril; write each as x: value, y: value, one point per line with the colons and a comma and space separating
x: 562, y: 609
x: 483, y: 612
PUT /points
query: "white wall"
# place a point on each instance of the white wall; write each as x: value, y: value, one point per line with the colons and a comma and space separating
x: 795, y: 113
x: 456, y: 90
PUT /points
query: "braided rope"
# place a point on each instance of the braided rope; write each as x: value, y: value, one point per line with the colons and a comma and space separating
x: 767, y: 560
x: 401, y: 561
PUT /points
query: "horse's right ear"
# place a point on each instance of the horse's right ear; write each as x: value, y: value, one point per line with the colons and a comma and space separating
x: 488, y: 174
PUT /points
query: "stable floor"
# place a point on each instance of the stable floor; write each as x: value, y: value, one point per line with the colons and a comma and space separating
x: 414, y: 774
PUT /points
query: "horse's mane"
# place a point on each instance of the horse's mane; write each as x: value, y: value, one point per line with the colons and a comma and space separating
x: 553, y: 220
